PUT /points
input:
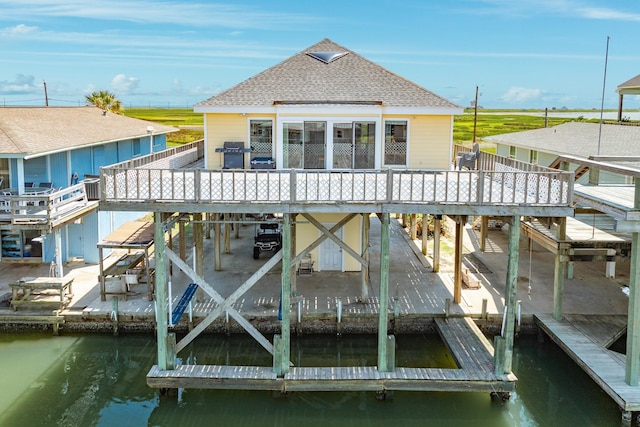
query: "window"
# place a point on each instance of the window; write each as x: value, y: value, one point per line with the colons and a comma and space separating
x: 354, y: 145
x: 304, y: 145
x: 292, y: 145
x: 533, y: 157
x: 261, y: 138
x: 512, y: 152
x: 137, y: 149
x: 395, y: 142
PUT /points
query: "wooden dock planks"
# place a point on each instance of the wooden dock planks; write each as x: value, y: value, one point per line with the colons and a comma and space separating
x: 601, y: 364
x: 470, y: 348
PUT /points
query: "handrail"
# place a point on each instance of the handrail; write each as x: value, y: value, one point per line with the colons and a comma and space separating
x: 506, y: 185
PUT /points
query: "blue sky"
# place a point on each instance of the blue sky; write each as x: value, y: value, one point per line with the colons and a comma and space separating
x: 521, y: 54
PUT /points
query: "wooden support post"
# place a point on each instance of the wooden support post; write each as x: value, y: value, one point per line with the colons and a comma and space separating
x: 171, y: 350
x: 236, y: 225
x: 457, y: 272
x: 425, y: 233
x: 413, y: 227
x: 285, y: 297
x: 227, y: 233
x: 383, y: 318
x: 217, y: 241
x: 162, y: 315
x: 632, y: 366
x: 391, y: 353
x: 170, y: 244
x: 365, y: 282
x: 510, y: 292
x: 560, y: 268
x: 58, y: 239
x: 436, y: 243
x: 198, y: 241
x: 293, y: 274
x: 484, y: 229
x: 183, y: 241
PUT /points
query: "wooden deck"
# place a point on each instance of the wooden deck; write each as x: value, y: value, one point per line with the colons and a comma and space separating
x: 470, y: 349
x: 583, y: 339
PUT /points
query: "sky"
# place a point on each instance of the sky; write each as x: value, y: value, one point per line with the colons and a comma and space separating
x: 170, y: 53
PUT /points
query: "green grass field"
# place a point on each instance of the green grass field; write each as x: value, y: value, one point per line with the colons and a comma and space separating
x: 496, y: 123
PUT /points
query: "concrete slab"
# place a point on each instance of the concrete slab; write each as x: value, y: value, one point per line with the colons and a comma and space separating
x: 417, y: 290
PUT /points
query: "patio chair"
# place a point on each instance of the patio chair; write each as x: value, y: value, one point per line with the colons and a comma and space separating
x: 5, y: 201
x: 468, y: 160
x: 46, y: 185
x: 28, y: 184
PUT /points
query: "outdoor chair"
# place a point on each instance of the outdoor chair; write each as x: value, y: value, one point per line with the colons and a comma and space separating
x: 468, y: 160
x: 28, y: 184
x: 46, y: 185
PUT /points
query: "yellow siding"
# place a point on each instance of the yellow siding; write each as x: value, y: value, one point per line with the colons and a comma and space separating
x: 429, y: 142
x: 307, y: 233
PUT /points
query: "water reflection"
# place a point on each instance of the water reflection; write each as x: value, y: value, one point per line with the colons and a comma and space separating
x: 100, y: 381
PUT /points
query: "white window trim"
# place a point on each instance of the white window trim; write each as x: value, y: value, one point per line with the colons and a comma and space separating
x: 383, y: 142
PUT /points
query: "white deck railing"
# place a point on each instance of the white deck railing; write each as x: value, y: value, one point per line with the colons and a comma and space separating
x: 46, y: 209
x: 507, y: 185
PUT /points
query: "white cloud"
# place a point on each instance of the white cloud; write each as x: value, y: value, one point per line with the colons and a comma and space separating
x: 18, y: 30
x: 516, y: 95
x: 202, y: 13
x: 607, y: 14
x: 570, y: 8
x: 124, y: 85
x: 22, y: 84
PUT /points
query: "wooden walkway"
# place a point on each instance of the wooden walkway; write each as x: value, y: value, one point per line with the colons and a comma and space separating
x: 470, y: 349
x: 584, y: 339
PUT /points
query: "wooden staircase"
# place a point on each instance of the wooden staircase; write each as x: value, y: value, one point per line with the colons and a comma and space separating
x: 580, y: 170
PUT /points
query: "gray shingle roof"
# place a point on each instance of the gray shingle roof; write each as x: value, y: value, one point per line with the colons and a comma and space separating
x: 577, y: 139
x: 32, y: 130
x: 633, y: 83
x: 350, y: 78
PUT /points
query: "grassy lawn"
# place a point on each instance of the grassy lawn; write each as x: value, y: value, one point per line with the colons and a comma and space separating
x: 190, y: 123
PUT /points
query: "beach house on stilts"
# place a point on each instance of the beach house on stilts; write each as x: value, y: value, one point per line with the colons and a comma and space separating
x: 320, y: 142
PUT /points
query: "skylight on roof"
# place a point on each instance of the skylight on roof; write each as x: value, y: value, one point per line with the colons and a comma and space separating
x: 326, y: 57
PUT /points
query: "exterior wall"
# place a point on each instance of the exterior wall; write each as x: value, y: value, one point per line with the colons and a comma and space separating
x: 503, y: 150
x: 221, y: 128
x: 430, y: 139
x: 307, y: 233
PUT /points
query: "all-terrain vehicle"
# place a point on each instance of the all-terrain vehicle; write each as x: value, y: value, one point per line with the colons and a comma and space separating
x: 268, y: 238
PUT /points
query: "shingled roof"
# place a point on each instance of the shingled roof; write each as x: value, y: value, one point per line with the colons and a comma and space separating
x: 323, y: 79
x: 577, y: 139
x: 631, y: 85
x: 29, y: 131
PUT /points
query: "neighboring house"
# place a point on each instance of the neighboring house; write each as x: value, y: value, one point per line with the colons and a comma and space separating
x: 328, y: 108
x: 589, y: 141
x: 45, y: 155
x: 630, y: 87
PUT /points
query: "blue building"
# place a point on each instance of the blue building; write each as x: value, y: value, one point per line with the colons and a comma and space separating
x: 50, y: 158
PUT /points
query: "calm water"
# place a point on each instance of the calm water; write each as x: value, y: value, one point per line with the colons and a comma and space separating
x: 100, y: 381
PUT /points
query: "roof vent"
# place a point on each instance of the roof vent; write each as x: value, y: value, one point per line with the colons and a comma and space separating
x: 326, y: 57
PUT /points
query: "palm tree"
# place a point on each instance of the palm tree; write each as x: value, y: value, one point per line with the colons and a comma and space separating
x: 105, y: 100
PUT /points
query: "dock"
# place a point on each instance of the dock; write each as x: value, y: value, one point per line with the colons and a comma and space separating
x: 584, y: 339
x: 470, y: 349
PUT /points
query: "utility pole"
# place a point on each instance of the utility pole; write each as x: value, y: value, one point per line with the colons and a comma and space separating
x: 46, y: 97
x: 475, y: 115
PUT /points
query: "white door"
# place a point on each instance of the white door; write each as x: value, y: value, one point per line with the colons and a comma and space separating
x: 329, y: 253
